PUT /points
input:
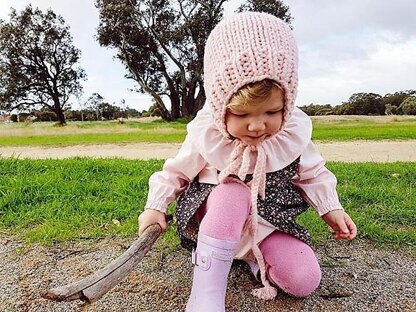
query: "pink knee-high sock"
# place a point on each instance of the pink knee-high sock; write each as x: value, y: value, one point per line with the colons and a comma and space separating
x: 291, y: 264
x: 226, y: 210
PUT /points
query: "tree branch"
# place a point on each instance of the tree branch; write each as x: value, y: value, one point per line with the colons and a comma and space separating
x: 165, y: 48
x: 139, y: 79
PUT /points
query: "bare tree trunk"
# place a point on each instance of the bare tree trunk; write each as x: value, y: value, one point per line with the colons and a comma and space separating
x: 60, y: 114
x: 200, y: 100
x: 164, y: 113
x: 175, y: 110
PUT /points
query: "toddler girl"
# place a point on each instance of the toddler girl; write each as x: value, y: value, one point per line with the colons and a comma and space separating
x: 247, y: 169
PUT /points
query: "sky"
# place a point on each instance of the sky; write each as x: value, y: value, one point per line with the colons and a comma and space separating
x: 345, y: 47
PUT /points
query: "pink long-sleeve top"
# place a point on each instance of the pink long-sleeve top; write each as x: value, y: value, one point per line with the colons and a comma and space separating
x: 204, y: 152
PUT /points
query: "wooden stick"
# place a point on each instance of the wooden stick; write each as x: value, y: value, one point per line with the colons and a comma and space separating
x: 96, y: 285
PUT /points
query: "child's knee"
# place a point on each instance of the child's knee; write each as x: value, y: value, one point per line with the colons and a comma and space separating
x: 227, y: 209
x: 233, y: 196
x: 298, y: 281
x: 292, y: 264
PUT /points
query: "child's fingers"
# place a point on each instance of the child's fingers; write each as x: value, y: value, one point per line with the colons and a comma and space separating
x: 163, y: 225
x: 143, y: 227
x: 343, y: 228
x: 351, y: 225
x: 339, y: 235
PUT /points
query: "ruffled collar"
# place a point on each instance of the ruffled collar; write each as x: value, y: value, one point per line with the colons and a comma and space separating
x: 281, y: 149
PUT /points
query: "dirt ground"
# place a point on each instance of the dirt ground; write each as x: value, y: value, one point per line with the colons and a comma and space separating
x: 355, y: 151
x: 356, y: 276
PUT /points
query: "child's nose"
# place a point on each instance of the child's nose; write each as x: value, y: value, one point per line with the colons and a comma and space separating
x: 256, y: 125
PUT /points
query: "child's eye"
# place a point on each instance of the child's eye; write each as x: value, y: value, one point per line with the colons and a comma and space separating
x: 273, y: 112
x: 239, y: 114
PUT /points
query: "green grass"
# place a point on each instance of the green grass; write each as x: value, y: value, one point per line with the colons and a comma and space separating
x: 347, y: 130
x: 163, y: 132
x: 94, y: 138
x: 57, y: 200
x: 91, y: 133
x: 44, y: 201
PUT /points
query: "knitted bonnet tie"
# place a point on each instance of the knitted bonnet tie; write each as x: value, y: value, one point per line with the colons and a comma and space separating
x: 257, y: 188
x: 246, y: 48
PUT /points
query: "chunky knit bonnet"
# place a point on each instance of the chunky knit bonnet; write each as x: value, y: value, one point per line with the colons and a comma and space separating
x: 242, y: 49
x: 245, y: 48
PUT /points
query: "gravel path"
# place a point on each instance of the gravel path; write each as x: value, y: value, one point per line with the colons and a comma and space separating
x: 356, y: 277
x: 355, y: 151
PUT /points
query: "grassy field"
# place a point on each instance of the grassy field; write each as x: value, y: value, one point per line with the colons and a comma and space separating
x: 56, y: 200
x: 336, y: 128
x: 47, y: 133
x: 326, y: 128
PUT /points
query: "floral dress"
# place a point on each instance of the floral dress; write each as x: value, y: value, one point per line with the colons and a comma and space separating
x: 282, y: 204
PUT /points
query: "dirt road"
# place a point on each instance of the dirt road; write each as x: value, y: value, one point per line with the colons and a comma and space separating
x: 355, y: 151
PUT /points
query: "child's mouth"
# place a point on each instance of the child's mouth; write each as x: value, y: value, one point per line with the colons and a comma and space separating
x: 255, y: 138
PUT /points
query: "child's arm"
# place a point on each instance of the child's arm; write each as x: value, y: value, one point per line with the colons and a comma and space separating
x: 318, y: 187
x: 166, y: 185
x: 316, y: 182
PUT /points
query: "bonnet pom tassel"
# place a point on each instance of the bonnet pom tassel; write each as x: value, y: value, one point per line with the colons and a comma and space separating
x: 266, y: 293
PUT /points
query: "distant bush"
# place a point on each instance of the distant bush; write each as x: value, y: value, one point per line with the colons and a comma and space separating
x: 391, y: 109
x: 45, y: 116
x: 408, y: 106
x: 363, y: 104
x: 318, y: 110
x: 73, y: 115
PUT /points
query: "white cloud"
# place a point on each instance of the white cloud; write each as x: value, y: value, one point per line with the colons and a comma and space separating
x: 388, y: 67
x: 353, y: 46
x: 345, y: 47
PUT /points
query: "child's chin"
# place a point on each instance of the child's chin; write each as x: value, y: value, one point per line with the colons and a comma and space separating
x: 248, y: 141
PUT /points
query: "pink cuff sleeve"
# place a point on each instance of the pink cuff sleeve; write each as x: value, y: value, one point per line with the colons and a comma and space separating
x: 316, y: 182
x: 166, y: 185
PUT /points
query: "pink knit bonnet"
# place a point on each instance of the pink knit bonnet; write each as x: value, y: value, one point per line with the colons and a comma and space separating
x: 245, y: 48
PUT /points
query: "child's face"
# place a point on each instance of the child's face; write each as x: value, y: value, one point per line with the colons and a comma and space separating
x: 253, y: 123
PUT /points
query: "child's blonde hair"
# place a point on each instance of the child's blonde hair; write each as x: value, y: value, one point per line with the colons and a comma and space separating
x: 253, y: 93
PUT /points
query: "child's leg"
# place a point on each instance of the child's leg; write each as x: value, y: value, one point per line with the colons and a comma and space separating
x: 227, y: 208
x: 291, y: 264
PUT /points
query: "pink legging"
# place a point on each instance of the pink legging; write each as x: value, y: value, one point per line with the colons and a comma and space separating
x: 291, y: 264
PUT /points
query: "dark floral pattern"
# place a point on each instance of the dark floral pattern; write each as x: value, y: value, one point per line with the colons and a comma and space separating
x: 282, y: 204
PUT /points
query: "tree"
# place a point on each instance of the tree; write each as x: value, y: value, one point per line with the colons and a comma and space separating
x: 274, y: 7
x: 131, y: 112
x: 161, y: 44
x: 408, y: 107
x: 318, y: 110
x: 391, y: 109
x: 38, y: 62
x: 362, y: 104
x: 93, y: 104
x: 109, y: 111
x: 397, y: 98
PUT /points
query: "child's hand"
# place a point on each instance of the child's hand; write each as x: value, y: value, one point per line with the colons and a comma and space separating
x: 341, y: 223
x: 150, y: 217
